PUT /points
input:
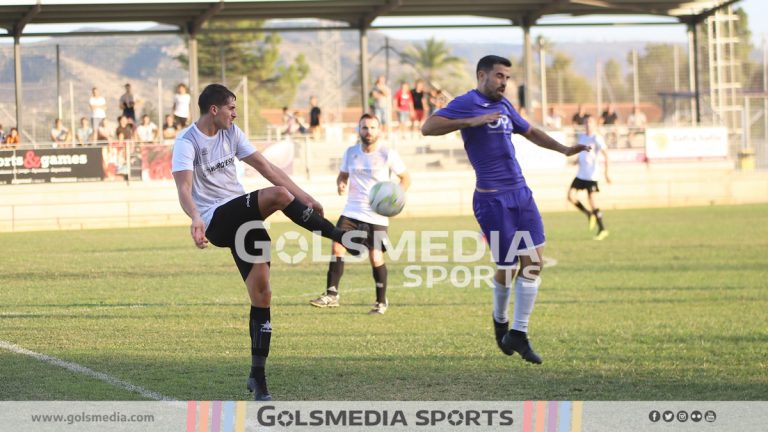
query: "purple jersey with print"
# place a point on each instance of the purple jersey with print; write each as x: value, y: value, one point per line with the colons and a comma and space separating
x: 489, y: 146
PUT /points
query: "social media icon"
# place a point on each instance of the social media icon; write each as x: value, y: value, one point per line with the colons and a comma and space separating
x: 696, y: 416
x: 710, y: 416
x: 668, y: 416
x: 654, y: 416
x: 682, y: 416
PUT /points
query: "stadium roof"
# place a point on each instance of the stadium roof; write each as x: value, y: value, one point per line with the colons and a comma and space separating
x: 190, y: 15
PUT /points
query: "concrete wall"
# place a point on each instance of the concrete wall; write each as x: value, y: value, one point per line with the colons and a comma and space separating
x: 117, y: 204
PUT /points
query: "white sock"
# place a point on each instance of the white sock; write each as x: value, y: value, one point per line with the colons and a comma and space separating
x: 525, y: 297
x: 501, y: 296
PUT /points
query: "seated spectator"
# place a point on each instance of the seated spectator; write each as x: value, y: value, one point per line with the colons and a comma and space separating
x: 124, y: 130
x: 170, y: 129
x: 147, y: 131
x: 84, y: 133
x: 580, y: 118
x: 12, y: 140
x: 104, y: 132
x: 59, y: 134
x: 609, y: 119
x: 553, y: 120
x: 636, y: 123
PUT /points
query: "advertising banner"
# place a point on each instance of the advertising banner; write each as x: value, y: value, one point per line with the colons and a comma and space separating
x: 51, y: 165
x: 680, y: 143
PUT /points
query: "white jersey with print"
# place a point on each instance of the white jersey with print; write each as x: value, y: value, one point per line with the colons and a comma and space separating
x: 212, y: 162
x: 589, y: 167
x: 365, y: 170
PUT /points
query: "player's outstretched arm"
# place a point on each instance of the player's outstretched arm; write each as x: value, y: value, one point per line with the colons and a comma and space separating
x: 341, y: 182
x: 184, y: 187
x: 278, y: 177
x: 439, y: 125
x: 541, y: 139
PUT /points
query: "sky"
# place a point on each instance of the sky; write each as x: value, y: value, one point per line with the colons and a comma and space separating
x: 757, y: 11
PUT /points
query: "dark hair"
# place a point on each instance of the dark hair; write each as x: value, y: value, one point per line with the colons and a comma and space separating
x: 487, y: 63
x: 214, y: 94
x: 368, y: 116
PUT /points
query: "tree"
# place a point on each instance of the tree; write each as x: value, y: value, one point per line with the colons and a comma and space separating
x: 656, y: 71
x: 271, y: 83
x: 564, y: 84
x: 434, y: 62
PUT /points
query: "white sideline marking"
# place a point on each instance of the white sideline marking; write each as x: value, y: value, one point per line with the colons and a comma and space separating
x: 74, y: 367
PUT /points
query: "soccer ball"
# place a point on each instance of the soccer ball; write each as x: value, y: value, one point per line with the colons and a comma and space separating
x: 387, y: 198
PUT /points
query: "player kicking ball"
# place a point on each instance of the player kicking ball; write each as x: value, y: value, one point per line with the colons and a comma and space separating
x: 503, y: 204
x: 362, y: 166
x: 211, y: 195
x: 586, y: 178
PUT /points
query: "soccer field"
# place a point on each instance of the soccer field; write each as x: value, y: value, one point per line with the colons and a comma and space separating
x: 671, y: 306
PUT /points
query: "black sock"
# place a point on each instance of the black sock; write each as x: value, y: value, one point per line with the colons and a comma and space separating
x: 306, y: 217
x: 335, y: 270
x: 583, y: 209
x: 380, y: 277
x: 599, y: 215
x: 261, y: 333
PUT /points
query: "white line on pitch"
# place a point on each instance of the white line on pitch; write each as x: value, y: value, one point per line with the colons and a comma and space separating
x: 74, y: 367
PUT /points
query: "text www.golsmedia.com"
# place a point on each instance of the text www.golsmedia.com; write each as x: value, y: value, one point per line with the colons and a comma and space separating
x: 115, y: 417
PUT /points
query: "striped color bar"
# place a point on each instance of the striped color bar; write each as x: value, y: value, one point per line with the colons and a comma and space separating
x: 191, y: 411
x: 229, y: 417
x: 552, y: 416
x: 216, y: 416
x: 226, y: 416
x: 203, y: 422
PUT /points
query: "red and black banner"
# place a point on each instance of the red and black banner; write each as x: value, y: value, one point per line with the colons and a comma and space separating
x: 51, y: 165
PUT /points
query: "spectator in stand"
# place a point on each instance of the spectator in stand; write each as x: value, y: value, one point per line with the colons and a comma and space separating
x: 104, y: 132
x: 437, y: 100
x: 98, y: 109
x: 181, y: 101
x: 289, y: 122
x: 169, y: 128
x: 636, y: 123
x: 2, y: 134
x: 59, y: 134
x: 124, y: 130
x: 12, y: 140
x: 147, y: 130
x: 552, y: 120
x: 403, y: 106
x: 609, y: 119
x: 128, y: 104
x: 380, y: 95
x: 579, y: 118
x: 315, y: 118
x: 418, y: 95
x: 84, y: 133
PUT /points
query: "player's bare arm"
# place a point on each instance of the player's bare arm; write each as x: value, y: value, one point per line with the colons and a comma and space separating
x: 184, y: 187
x: 405, y: 180
x: 278, y: 177
x: 341, y: 182
x: 541, y: 139
x: 605, y: 161
x: 438, y: 125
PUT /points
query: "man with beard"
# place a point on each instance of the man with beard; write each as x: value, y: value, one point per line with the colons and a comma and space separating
x: 503, y: 204
x: 362, y: 166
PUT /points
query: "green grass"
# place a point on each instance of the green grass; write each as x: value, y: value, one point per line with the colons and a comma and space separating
x: 672, y: 306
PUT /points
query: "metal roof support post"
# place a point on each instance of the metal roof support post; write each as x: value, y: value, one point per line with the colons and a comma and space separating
x: 194, y: 85
x: 527, y: 66
x: 693, y: 73
x: 17, y: 80
x: 364, y: 72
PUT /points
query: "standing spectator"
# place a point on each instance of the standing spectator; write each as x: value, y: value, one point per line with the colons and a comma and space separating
x: 181, y: 101
x: 59, y: 134
x: 580, y: 117
x: 169, y: 128
x: 419, y: 98
x: 104, y: 132
x: 380, y: 95
x: 12, y: 139
x: 98, y: 108
x: 636, y: 123
x: 315, y: 114
x: 84, y: 133
x: 609, y: 118
x: 403, y: 106
x: 553, y: 120
x: 289, y: 122
x: 128, y: 104
x: 147, y: 131
x: 437, y: 100
x: 2, y: 134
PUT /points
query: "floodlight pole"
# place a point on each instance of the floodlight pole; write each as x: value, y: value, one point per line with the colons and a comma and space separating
x: 364, y: 72
x: 527, y: 65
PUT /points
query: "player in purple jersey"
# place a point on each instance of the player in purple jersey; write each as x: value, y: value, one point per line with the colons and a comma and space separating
x: 503, y: 203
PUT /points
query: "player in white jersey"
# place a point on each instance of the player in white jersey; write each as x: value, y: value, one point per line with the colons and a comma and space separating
x: 363, y: 165
x: 211, y: 195
x: 589, y: 172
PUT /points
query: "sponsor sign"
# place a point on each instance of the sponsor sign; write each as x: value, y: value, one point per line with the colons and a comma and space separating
x: 51, y: 165
x: 679, y: 143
